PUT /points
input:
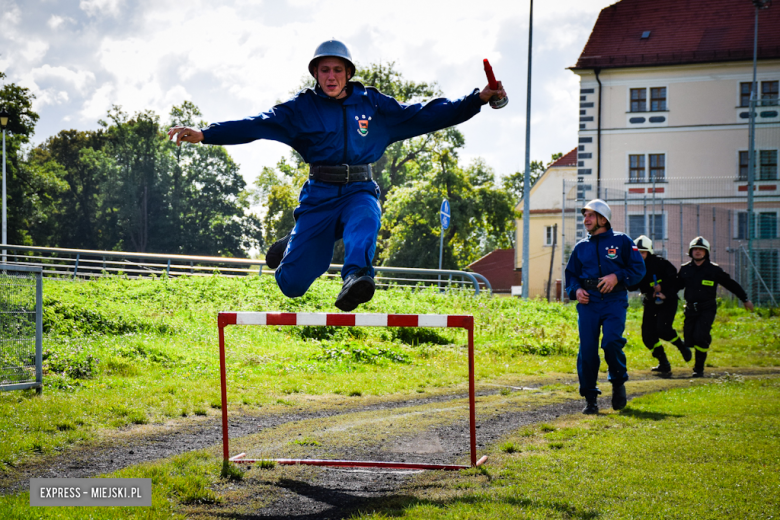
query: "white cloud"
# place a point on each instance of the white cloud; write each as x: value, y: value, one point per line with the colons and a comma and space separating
x: 33, y: 50
x: 99, y: 103
x: 55, y: 21
x: 80, y: 80
x: 99, y: 7
x: 234, y: 58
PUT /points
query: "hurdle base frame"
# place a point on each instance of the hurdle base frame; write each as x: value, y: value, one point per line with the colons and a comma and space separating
x: 239, y: 459
x: 349, y: 320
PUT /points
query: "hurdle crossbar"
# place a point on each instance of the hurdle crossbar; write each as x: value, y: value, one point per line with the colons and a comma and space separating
x: 349, y: 320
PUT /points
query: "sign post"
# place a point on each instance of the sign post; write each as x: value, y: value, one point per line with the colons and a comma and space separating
x: 444, y: 218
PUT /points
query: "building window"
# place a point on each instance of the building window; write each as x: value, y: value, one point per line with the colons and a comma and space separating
x: 653, y: 226
x: 657, y: 167
x: 582, y: 190
x: 636, y: 225
x: 549, y: 235
x: 742, y: 225
x: 638, y: 100
x: 655, y: 223
x: 769, y: 92
x: 768, y: 263
x: 636, y: 168
x: 744, y: 94
x: 768, y: 165
x: 658, y: 99
x: 744, y: 163
x: 767, y: 225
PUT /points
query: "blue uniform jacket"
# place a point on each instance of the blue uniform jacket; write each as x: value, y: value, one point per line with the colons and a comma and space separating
x: 599, y: 255
x: 327, y: 132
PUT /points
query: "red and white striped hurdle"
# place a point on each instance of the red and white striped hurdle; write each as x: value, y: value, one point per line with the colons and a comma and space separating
x: 349, y: 320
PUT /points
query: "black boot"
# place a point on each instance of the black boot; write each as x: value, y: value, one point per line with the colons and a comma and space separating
x: 358, y: 288
x: 619, y: 398
x: 683, y: 348
x: 664, y: 369
x: 276, y: 252
x: 698, y: 366
x: 592, y: 406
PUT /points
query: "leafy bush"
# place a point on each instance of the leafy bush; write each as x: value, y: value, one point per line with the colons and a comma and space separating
x: 75, y: 319
x: 361, y: 353
x: 72, y: 363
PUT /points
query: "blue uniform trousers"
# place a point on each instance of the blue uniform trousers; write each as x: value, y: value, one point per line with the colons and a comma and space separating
x: 607, y: 317
x: 326, y: 213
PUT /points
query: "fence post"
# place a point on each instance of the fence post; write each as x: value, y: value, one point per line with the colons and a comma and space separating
x: 654, y: 217
x: 644, y: 209
x: 681, y: 234
x: 563, y: 232
x: 625, y: 211
x: 714, y: 235
x: 663, y: 228
x: 698, y: 228
x: 76, y: 266
x: 168, y: 268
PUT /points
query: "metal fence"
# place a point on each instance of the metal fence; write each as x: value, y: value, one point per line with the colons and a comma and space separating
x: 21, y: 326
x: 673, y: 211
x: 84, y: 264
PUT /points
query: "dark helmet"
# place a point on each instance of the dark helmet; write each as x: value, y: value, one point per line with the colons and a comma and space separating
x: 700, y: 242
x: 335, y: 49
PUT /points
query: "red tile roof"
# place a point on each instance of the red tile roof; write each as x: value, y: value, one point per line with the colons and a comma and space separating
x: 570, y: 159
x: 681, y: 31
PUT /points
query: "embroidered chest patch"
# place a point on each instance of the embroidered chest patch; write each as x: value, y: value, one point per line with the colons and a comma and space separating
x: 363, y: 124
x: 612, y: 252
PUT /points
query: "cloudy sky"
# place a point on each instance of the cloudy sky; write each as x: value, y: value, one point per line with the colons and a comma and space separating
x: 236, y: 58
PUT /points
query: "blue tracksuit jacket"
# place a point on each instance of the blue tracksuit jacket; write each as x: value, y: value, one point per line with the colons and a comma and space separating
x: 328, y: 132
x: 325, y: 131
x: 595, y: 257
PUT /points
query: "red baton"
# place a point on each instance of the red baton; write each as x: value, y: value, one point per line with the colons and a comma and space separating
x: 490, y: 77
x: 495, y: 102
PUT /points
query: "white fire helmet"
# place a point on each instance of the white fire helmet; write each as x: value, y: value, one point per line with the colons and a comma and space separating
x: 699, y: 242
x: 600, y: 207
x: 644, y: 244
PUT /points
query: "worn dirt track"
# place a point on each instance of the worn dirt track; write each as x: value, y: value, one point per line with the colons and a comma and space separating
x: 309, y: 492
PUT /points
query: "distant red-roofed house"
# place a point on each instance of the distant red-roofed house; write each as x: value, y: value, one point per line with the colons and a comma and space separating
x: 498, y: 267
x: 546, y: 212
x: 664, y: 115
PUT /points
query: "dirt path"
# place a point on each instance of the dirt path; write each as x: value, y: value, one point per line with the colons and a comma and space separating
x: 305, y: 492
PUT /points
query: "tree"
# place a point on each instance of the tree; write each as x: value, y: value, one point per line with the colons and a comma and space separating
x: 481, y: 216
x: 85, y: 216
x: 32, y: 189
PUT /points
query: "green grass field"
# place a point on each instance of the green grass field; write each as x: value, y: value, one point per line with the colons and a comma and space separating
x: 121, y: 352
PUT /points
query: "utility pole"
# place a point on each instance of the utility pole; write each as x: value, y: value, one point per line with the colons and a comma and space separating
x: 527, y: 175
x: 760, y: 4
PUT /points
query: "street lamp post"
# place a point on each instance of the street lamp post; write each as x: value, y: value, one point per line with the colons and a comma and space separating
x: 4, y: 122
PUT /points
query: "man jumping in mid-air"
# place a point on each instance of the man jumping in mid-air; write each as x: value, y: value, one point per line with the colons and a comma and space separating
x: 339, y: 127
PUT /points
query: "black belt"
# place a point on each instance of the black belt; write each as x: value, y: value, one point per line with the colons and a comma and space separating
x: 592, y: 284
x: 701, y: 306
x: 341, y: 174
